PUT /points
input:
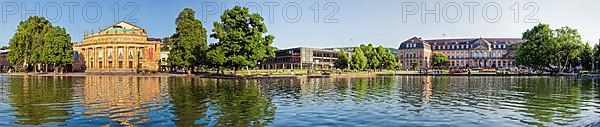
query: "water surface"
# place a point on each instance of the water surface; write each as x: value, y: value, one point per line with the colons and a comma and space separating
x: 378, y: 101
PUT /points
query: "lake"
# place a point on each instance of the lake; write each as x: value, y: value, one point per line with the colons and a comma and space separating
x: 377, y: 101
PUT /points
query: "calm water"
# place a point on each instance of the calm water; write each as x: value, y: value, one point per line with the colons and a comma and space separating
x: 379, y: 101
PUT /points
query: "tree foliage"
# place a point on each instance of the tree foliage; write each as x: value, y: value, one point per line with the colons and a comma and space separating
x: 596, y: 55
x: 378, y: 57
x: 373, y: 57
x: 359, y: 61
x: 38, y: 42
x: 585, y: 57
x: 216, y: 56
x: 189, y: 41
x: 342, y: 61
x: 439, y: 59
x: 240, y: 38
x: 547, y: 48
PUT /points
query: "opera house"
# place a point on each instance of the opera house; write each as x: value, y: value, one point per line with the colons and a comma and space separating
x: 121, y: 47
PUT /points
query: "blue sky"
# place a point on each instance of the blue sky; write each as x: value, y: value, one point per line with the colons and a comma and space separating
x: 339, y: 23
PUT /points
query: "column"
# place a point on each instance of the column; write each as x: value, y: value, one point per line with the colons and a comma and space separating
x: 95, y: 60
x: 115, y: 54
x: 104, y: 59
x: 135, y: 57
x: 125, y: 57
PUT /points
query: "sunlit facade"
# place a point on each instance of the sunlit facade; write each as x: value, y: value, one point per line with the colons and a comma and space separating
x: 462, y: 53
x: 122, y: 47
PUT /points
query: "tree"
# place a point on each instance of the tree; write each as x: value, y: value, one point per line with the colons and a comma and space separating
x: 342, y: 61
x: 547, y: 48
x: 37, y: 42
x: 387, y: 58
x: 240, y: 35
x: 596, y: 55
x: 57, y: 49
x: 167, y: 43
x: 189, y: 43
x: 216, y: 57
x: 585, y: 57
x: 569, y: 46
x: 439, y: 59
x: 359, y: 61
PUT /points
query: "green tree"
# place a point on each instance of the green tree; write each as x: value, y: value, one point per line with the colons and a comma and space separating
x: 37, y: 42
x: 569, y: 46
x: 57, y: 49
x: 216, y: 56
x: 189, y: 43
x: 240, y: 35
x: 387, y: 58
x: 374, y: 59
x: 439, y: 59
x: 584, y: 59
x: 596, y: 55
x: 342, y: 61
x: 167, y: 43
x: 359, y: 61
x: 547, y: 48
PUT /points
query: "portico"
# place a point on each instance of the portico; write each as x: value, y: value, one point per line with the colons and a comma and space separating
x: 122, y: 47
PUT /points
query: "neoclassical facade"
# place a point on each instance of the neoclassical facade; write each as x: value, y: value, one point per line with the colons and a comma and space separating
x: 121, y: 47
x: 462, y: 53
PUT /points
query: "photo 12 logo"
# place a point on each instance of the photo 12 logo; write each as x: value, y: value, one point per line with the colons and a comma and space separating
x: 291, y: 12
x: 453, y: 12
x: 91, y: 12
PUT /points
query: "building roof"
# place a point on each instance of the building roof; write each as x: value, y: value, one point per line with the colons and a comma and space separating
x: 121, y: 27
x: 460, y: 41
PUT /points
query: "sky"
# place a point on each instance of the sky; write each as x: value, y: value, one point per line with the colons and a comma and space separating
x: 321, y: 23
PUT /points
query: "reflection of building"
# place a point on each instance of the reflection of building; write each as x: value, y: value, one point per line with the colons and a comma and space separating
x: 301, y: 58
x: 469, y: 52
x: 125, y: 98
x: 121, y: 47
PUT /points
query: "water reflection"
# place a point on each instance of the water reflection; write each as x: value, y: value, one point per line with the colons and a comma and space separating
x: 376, y: 101
x: 214, y: 102
x: 122, y: 100
x: 38, y: 100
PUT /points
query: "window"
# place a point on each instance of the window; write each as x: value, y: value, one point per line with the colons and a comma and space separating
x: 110, y: 53
x: 100, y: 53
x: 120, y: 53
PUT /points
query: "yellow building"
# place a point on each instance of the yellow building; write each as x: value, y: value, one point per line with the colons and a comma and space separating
x: 122, y: 47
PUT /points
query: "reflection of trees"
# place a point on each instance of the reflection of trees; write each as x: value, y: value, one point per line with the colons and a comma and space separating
x: 216, y: 102
x: 242, y: 103
x: 551, y: 100
x: 188, y: 99
x: 37, y: 100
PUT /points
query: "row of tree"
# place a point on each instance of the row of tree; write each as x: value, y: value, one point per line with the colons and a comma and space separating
x: 555, y: 50
x: 367, y: 57
x: 241, y: 42
x: 37, y: 43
